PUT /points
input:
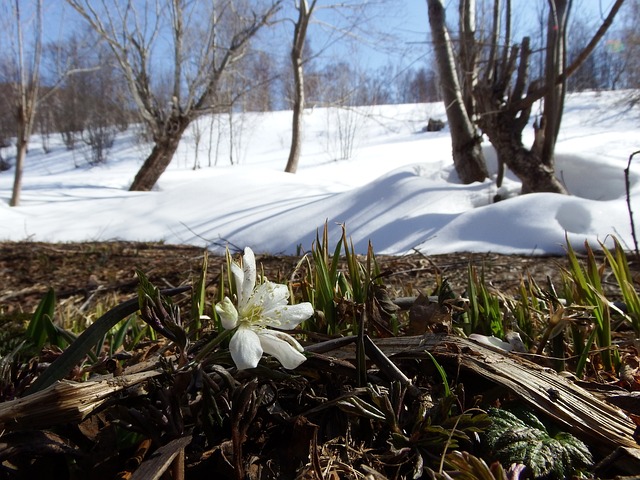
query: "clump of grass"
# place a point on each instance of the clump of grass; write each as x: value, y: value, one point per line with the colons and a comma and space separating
x: 583, y: 287
x: 484, y: 314
x: 620, y: 266
x: 341, y: 296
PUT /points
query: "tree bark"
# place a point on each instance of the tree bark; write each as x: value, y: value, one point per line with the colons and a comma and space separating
x: 556, y: 63
x: 17, y: 179
x: 27, y: 96
x: 299, y: 36
x: 526, y: 164
x: 296, y: 127
x: 467, y: 153
x: 468, y: 53
x: 161, y: 155
x: 25, y: 121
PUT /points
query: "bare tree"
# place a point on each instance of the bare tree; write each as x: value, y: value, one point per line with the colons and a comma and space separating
x: 419, y: 85
x: 629, y: 48
x: 23, y: 76
x: 93, y: 103
x: 305, y: 10
x: 207, y: 39
x: 96, y: 91
x: 467, y: 153
x: 505, y: 96
x: 353, y: 24
x: 555, y: 65
x: 257, y: 74
x: 345, y: 94
x: 379, y: 87
x: 26, y: 84
x: 588, y: 76
x: 197, y: 129
x: 7, y: 121
x: 502, y: 92
x: 104, y: 99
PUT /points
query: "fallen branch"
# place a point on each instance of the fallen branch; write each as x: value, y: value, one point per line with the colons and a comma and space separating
x: 63, y: 402
x: 604, y: 426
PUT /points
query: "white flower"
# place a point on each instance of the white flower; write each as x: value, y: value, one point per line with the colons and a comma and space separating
x: 259, y: 307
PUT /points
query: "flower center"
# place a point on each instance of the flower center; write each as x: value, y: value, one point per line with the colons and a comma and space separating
x: 253, y: 315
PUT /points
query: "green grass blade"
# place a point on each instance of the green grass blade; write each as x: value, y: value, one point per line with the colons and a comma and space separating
x: 578, y: 275
x: 38, y: 329
x: 443, y: 374
x: 582, y: 360
x: 198, y: 298
x: 593, y: 271
x: 472, y: 294
x: 326, y: 279
x: 118, y: 338
x: 87, y: 340
x: 620, y: 267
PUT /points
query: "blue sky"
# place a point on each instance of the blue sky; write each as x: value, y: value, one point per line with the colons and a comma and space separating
x: 409, y: 21
x: 406, y: 20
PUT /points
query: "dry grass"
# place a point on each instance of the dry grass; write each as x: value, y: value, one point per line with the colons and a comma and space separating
x: 207, y: 418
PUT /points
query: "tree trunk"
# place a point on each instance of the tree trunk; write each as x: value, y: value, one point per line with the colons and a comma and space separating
x: 298, y: 109
x: 528, y: 167
x: 502, y: 119
x: 161, y: 155
x: 27, y: 96
x: 504, y: 102
x: 468, y: 53
x: 467, y: 154
x: 505, y: 134
x: 17, y: 181
x: 299, y: 36
x: 556, y: 63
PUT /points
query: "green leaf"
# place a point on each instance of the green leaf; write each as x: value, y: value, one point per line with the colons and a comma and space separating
x: 443, y: 374
x: 523, y: 438
x: 41, y: 324
x: 79, y: 349
x: 118, y: 339
x: 198, y: 298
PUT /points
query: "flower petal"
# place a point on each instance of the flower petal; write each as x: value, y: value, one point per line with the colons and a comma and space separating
x: 245, y: 348
x: 282, y: 346
x: 238, y: 278
x: 249, y: 277
x: 288, y: 317
x: 228, y: 313
x: 269, y: 295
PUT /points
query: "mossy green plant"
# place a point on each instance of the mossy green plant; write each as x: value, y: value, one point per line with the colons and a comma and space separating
x: 524, y: 439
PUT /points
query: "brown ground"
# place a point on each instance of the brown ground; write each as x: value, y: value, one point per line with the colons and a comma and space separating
x: 81, y: 271
x: 90, y: 276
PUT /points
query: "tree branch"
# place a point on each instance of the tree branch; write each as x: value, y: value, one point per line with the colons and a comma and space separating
x: 538, y: 93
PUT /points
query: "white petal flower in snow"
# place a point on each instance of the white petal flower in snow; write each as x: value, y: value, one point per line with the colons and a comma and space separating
x: 260, y: 307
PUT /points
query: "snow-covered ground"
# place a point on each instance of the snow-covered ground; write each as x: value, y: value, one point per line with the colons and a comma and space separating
x: 398, y: 189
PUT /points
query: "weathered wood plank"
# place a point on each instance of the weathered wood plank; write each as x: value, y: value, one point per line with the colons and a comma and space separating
x: 64, y: 402
x: 596, y: 422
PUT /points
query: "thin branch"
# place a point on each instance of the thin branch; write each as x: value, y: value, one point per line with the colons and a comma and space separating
x: 538, y: 93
